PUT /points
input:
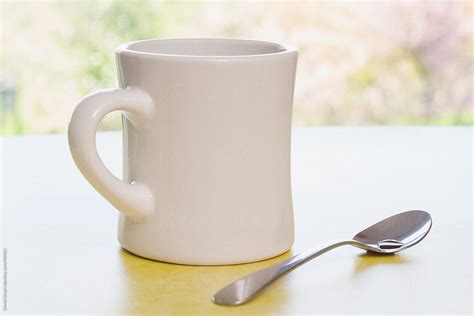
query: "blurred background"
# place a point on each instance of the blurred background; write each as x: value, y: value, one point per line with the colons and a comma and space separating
x: 361, y: 63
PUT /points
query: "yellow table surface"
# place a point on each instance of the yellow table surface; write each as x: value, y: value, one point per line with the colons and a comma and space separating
x: 62, y: 254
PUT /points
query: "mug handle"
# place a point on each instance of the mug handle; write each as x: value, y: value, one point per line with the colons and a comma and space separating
x: 133, y: 199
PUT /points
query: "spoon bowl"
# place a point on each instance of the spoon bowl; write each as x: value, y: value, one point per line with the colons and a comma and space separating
x: 395, y: 233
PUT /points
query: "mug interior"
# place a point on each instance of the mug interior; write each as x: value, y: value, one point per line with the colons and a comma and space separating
x: 204, y: 47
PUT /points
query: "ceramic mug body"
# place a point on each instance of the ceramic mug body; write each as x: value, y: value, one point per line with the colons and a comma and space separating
x: 206, y: 129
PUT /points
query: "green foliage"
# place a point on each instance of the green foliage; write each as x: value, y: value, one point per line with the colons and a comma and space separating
x: 109, y: 24
x: 11, y: 123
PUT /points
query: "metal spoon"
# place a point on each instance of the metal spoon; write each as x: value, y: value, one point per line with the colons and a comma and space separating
x: 391, y: 235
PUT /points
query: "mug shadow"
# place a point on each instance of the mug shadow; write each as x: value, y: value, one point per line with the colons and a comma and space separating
x: 151, y: 287
x: 368, y: 260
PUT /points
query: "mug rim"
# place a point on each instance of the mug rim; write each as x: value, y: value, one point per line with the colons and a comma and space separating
x: 280, y: 49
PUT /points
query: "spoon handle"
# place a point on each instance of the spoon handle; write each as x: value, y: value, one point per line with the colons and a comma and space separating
x: 240, y: 291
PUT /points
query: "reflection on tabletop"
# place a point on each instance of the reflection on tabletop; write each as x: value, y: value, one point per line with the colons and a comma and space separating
x: 368, y: 260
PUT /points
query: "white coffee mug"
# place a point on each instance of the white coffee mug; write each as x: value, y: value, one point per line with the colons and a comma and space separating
x: 206, y: 134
